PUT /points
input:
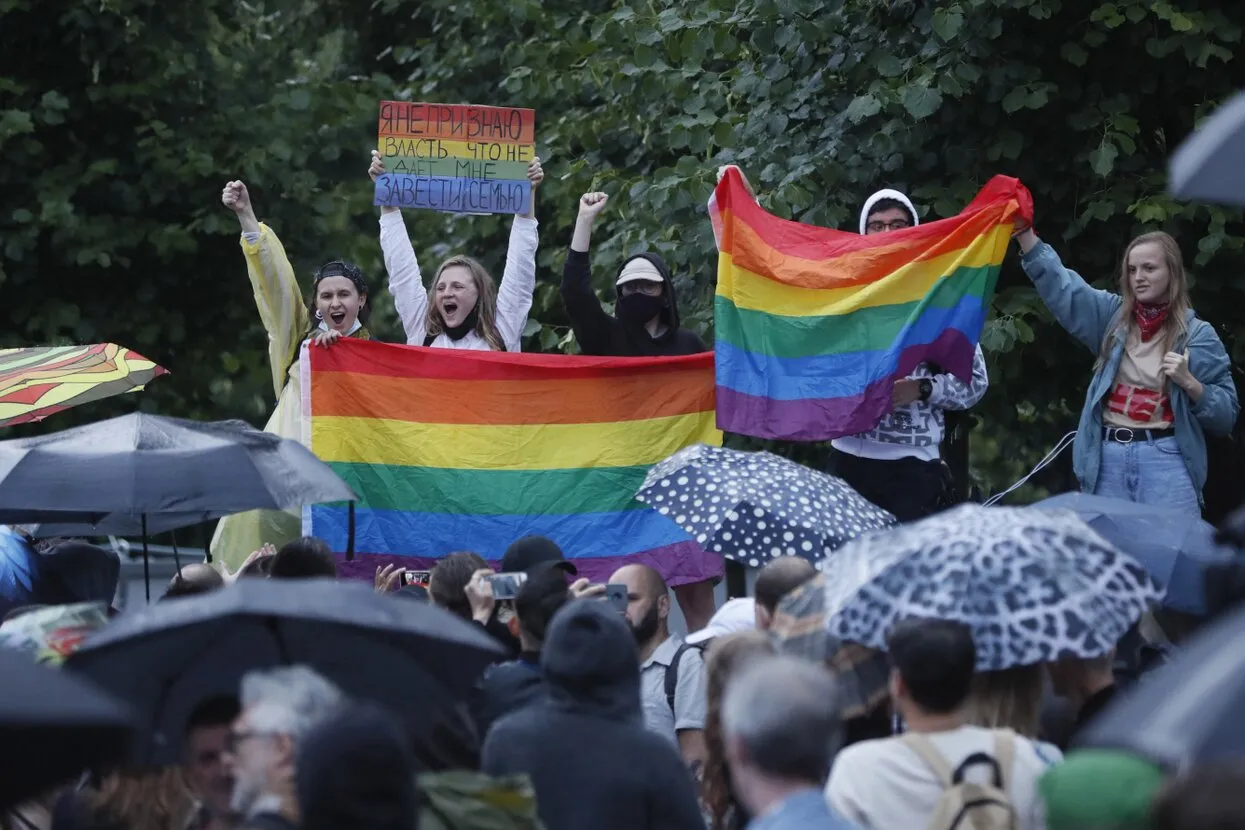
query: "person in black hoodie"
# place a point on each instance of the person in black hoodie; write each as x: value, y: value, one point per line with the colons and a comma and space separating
x: 509, y: 686
x: 646, y: 316
x: 584, y: 745
x: 645, y: 324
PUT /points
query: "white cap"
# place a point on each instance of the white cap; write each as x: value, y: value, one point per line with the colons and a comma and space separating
x: 639, y: 268
x: 735, y: 616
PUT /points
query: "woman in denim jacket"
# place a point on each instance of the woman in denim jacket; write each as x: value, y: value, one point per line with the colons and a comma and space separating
x: 1162, y: 379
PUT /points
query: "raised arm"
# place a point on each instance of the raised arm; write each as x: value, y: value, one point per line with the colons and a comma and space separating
x: 588, y: 319
x: 518, y: 280
x: 1084, y: 311
x: 277, y: 297
x: 406, y: 283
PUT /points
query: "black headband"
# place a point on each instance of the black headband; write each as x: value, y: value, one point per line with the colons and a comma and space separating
x: 339, y: 268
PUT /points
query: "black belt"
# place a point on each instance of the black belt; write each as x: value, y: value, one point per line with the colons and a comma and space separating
x: 1127, y: 435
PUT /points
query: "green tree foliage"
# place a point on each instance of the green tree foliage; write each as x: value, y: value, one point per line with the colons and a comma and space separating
x: 121, y: 121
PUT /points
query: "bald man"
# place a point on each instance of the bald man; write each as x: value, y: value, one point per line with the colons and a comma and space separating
x: 195, y: 578
x: 778, y: 578
x: 672, y: 675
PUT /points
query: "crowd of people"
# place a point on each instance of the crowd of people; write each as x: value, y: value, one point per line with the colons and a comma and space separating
x: 598, y: 715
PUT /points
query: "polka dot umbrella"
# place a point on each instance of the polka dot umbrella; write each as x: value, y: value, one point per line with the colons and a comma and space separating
x: 754, y: 506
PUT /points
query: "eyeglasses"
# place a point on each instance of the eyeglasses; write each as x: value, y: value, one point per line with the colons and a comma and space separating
x: 879, y: 227
x: 652, y: 289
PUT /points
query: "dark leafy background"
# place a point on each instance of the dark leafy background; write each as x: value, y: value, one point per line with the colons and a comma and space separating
x: 121, y: 120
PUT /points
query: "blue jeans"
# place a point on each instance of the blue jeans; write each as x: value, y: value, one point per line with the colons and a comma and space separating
x: 1148, y: 472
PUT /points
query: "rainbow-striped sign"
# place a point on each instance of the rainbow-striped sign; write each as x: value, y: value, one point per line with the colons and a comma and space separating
x: 458, y: 159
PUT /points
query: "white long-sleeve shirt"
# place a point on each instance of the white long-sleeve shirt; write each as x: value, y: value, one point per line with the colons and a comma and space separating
x: 916, y: 430
x: 410, y: 298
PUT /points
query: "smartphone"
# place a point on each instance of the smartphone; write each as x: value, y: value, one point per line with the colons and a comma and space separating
x: 506, y: 586
x: 416, y: 578
x: 616, y: 594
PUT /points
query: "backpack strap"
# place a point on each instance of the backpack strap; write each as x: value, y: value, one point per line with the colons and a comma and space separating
x: 1005, y: 754
x: 933, y: 759
x: 428, y: 340
x: 672, y: 674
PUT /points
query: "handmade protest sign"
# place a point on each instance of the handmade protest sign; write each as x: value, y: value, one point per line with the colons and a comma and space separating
x: 458, y: 159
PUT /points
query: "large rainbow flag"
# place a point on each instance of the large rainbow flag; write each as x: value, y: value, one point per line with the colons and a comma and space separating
x: 461, y: 450
x: 813, y: 326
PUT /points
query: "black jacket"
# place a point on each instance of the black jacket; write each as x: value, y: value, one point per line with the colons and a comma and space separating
x: 600, y: 334
x: 584, y: 744
x: 505, y: 688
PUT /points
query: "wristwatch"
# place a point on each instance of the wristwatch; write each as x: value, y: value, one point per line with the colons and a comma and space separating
x: 927, y: 388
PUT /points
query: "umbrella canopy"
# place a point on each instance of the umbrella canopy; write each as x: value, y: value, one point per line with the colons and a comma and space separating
x: 1174, y: 546
x: 167, y: 658
x: 106, y: 476
x: 1188, y: 710
x: 43, y: 380
x: 799, y: 630
x: 1210, y: 164
x: 55, y: 726
x: 1034, y: 585
x: 754, y: 506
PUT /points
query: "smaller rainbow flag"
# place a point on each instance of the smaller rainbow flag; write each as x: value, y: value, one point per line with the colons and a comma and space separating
x: 461, y: 450
x: 813, y: 326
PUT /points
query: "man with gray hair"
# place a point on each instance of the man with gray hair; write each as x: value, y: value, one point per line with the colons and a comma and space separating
x: 279, y: 707
x: 782, y: 729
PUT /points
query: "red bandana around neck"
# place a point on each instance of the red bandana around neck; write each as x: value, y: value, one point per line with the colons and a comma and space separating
x: 1150, y: 318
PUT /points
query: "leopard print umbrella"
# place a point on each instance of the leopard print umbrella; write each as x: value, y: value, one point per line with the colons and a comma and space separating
x: 1034, y: 585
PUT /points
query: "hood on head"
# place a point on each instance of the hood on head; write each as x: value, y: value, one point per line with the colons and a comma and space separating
x: 357, y: 770
x: 589, y: 659
x: 669, y: 314
x: 887, y: 193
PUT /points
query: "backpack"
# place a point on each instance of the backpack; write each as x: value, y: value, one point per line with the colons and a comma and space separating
x: 966, y: 805
x: 672, y: 670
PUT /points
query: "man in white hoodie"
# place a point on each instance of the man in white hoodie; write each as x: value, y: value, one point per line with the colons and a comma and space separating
x: 898, y: 464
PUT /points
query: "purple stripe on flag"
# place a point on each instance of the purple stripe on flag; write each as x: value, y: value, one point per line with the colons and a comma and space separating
x: 820, y: 419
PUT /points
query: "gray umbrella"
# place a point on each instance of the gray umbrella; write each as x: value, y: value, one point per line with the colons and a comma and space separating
x: 109, y: 474
x: 167, y: 658
x: 1210, y: 164
x: 141, y: 474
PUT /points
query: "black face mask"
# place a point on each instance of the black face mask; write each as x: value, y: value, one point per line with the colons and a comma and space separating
x: 638, y: 309
x: 467, y: 326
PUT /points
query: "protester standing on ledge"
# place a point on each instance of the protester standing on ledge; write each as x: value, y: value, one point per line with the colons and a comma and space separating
x: 463, y: 308
x: 898, y: 464
x: 645, y: 323
x: 1162, y: 378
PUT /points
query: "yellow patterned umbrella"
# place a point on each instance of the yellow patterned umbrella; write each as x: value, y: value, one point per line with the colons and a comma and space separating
x: 43, y: 380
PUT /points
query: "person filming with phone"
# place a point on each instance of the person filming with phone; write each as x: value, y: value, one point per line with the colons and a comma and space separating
x: 672, y: 673
x: 517, y: 683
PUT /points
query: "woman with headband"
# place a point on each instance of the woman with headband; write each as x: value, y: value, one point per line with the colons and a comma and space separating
x: 338, y: 307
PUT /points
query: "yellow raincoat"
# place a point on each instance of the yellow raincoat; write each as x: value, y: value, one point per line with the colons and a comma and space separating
x: 285, y: 317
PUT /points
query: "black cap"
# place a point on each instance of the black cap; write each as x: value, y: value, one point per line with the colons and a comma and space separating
x: 531, y: 551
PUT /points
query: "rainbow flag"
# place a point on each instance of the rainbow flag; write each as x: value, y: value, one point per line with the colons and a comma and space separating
x: 813, y: 326
x: 460, y: 450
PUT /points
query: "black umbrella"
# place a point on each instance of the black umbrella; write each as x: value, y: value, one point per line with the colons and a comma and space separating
x: 167, y: 658
x: 142, y: 474
x: 54, y: 726
x: 755, y: 506
x: 1188, y: 710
